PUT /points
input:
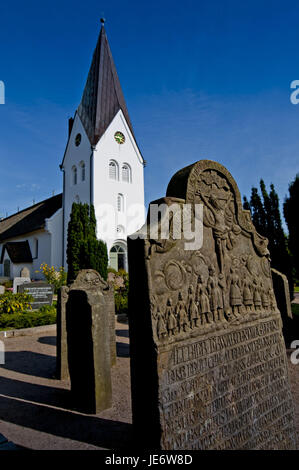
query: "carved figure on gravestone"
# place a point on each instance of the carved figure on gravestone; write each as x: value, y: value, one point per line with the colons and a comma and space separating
x: 247, y: 294
x: 257, y: 296
x: 265, y: 298
x: 235, y: 297
x: 215, y: 295
x: 171, y: 320
x: 181, y: 314
x: 203, y: 301
x: 272, y: 300
x: 218, y: 212
x: 161, y: 326
x: 192, y: 308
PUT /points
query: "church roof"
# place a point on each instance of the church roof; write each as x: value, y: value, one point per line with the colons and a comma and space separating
x: 30, y: 219
x: 19, y: 252
x: 102, y: 97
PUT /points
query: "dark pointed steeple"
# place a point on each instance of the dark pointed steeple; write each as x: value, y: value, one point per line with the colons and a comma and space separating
x: 102, y: 97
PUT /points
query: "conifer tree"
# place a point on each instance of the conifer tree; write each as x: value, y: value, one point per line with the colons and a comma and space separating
x: 84, y: 250
x: 267, y: 221
x: 290, y: 211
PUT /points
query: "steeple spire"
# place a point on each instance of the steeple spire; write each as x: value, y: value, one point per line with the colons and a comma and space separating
x: 102, y: 97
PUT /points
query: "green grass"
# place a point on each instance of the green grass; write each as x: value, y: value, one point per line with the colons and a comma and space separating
x: 296, y: 289
x: 295, y: 309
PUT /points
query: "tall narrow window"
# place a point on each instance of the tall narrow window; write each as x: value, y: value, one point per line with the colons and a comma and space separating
x: 74, y: 175
x: 126, y: 173
x: 120, y: 202
x: 82, y: 168
x: 113, y: 170
x: 36, y: 248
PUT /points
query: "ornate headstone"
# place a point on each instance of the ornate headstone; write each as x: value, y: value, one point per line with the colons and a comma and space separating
x: 208, y: 361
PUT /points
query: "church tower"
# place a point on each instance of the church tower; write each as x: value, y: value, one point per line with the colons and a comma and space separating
x: 102, y: 164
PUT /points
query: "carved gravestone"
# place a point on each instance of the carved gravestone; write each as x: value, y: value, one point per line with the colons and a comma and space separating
x: 208, y: 361
x: 88, y: 343
x: 62, y: 369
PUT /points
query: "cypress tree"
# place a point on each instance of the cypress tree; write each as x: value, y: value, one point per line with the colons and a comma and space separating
x: 84, y: 250
x: 267, y: 221
x: 290, y: 211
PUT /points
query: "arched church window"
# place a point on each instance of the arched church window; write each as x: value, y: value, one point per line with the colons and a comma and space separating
x: 113, y: 170
x: 120, y: 202
x: 82, y: 168
x: 126, y: 173
x: 74, y: 175
x: 117, y: 257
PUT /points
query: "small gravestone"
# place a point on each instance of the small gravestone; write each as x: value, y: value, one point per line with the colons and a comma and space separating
x: 208, y: 362
x: 62, y: 368
x: 25, y: 272
x: 41, y: 292
x: 2, y: 290
x: 88, y: 343
x: 18, y: 281
x: 282, y: 294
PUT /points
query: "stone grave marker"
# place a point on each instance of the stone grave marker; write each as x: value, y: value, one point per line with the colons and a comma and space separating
x: 282, y: 293
x: 88, y: 343
x: 2, y: 290
x: 208, y: 361
x: 41, y: 292
x: 62, y: 368
x: 18, y: 281
x: 25, y: 272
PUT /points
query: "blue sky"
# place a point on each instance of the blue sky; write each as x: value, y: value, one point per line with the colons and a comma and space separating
x: 202, y: 79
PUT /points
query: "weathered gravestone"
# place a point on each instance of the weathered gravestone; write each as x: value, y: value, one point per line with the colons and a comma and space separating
x: 88, y: 342
x: 208, y: 361
x: 41, y: 292
x: 25, y: 272
x: 2, y: 290
x: 282, y: 294
x: 62, y: 367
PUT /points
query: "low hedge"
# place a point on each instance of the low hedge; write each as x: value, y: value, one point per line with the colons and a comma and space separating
x: 27, y: 319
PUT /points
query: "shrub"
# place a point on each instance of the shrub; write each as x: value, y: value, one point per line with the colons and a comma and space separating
x: 27, y: 320
x: 12, y: 303
x: 121, y: 292
x: 84, y: 251
x: 55, y: 277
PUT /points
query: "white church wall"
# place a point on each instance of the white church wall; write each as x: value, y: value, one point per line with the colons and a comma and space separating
x: 106, y: 190
x: 54, y: 227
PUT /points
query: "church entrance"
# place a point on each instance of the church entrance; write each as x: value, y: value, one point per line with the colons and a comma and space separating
x: 118, y: 257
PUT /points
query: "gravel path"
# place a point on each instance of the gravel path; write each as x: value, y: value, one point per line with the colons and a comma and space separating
x: 34, y: 406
